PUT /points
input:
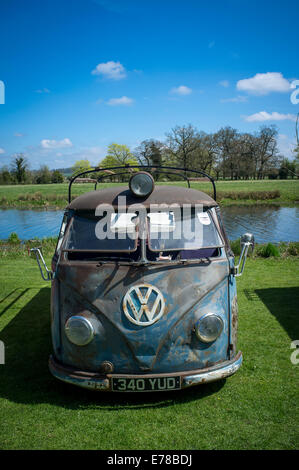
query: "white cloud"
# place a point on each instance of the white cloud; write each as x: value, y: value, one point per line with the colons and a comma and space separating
x: 224, y: 83
x: 237, y: 99
x: 43, y: 90
x: 56, y: 144
x: 181, y: 90
x: 111, y: 69
x: 123, y: 101
x: 2, y: 151
x: 264, y: 83
x: 18, y: 134
x: 264, y: 116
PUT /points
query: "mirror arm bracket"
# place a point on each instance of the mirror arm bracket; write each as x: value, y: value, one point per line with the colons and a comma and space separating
x: 238, y: 270
x: 38, y: 254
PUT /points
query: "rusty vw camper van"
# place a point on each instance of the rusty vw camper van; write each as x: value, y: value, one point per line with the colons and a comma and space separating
x: 143, y: 286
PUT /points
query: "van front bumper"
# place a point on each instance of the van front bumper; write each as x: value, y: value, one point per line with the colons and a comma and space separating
x: 100, y: 382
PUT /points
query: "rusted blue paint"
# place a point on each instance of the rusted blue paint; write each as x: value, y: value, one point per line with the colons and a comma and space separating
x: 170, y: 345
x: 233, y: 309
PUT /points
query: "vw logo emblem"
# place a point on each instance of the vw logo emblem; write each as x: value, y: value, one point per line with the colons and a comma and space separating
x: 143, y: 304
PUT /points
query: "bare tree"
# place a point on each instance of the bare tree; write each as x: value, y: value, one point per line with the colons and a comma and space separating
x: 149, y: 152
x: 204, y: 155
x: 246, y: 163
x: 267, y: 150
x: 182, y: 141
x: 296, y: 150
x: 227, y: 150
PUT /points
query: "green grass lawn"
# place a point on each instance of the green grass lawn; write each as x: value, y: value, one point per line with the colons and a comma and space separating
x: 257, y: 408
x: 55, y: 195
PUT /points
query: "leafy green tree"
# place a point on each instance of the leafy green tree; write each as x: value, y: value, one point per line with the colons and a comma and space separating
x: 5, y: 176
x: 118, y: 155
x: 43, y: 176
x: 81, y: 165
x: 57, y: 177
x: 19, y: 168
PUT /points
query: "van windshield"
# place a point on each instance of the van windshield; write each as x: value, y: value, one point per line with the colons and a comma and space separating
x: 118, y: 233
x: 163, y: 232
x: 188, y: 231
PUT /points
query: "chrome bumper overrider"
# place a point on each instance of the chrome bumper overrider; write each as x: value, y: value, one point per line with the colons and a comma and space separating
x: 100, y: 382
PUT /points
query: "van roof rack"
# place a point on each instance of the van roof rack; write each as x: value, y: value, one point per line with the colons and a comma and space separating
x: 151, y: 168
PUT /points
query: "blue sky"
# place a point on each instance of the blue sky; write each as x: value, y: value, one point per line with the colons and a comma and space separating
x: 82, y: 74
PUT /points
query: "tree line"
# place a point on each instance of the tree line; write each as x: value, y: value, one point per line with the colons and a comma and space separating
x: 19, y: 173
x: 226, y: 154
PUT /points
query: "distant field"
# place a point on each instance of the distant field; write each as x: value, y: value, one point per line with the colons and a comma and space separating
x: 229, y: 192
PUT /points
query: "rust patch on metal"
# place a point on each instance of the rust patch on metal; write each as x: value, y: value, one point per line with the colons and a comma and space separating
x: 106, y: 367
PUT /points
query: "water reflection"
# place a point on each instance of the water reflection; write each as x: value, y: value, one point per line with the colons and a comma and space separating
x: 267, y: 223
x: 29, y: 223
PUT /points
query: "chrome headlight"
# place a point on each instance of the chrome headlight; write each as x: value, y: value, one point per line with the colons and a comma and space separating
x: 209, y: 327
x: 79, y: 330
x: 141, y: 184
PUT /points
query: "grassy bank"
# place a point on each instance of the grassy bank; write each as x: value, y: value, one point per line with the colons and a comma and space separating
x: 284, y: 192
x: 255, y: 409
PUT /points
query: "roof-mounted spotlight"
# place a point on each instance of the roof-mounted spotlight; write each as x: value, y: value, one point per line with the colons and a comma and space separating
x: 142, y: 184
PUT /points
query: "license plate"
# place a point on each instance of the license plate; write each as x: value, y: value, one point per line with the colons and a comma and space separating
x: 145, y: 384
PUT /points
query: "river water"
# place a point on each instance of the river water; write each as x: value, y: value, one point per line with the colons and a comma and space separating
x: 267, y: 223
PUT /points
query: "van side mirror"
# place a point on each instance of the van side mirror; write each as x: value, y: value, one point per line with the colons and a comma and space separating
x: 247, y: 238
x: 247, y: 241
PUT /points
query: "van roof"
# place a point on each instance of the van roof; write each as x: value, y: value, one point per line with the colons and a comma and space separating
x: 161, y: 194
